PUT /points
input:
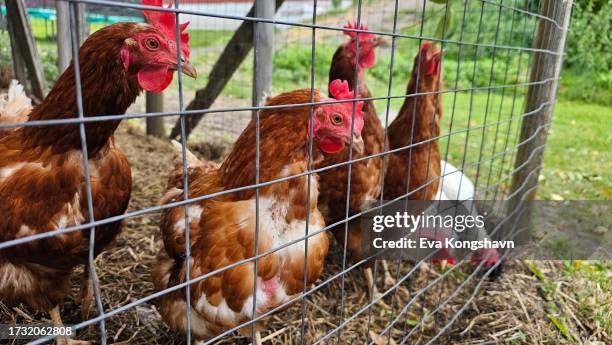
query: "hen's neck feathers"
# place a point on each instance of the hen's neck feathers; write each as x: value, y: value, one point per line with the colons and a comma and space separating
x: 425, y: 114
x: 343, y: 68
x: 106, y: 90
x: 283, y: 142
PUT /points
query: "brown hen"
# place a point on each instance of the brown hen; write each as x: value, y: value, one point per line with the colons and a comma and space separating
x: 365, y: 175
x: 222, y: 230
x: 42, y: 183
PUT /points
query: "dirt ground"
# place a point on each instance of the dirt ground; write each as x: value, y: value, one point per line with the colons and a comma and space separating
x: 509, y: 309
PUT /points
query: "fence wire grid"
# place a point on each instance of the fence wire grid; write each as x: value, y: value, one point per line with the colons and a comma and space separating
x: 493, y: 58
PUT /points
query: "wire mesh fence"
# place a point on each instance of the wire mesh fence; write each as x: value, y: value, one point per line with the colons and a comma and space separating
x: 500, y: 66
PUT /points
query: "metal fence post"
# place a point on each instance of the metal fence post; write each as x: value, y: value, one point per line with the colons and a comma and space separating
x: 155, y: 104
x: 263, y: 41
x: 546, y: 68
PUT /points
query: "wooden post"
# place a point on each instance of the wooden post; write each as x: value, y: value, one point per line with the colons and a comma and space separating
x: 2, y: 18
x: 19, y: 68
x: 155, y: 125
x: 535, y: 127
x: 263, y: 44
x: 228, y: 62
x: 23, y: 47
x: 81, y: 22
x: 64, y: 50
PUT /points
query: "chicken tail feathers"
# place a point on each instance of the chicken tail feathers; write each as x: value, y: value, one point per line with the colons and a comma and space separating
x: 190, y: 158
x: 15, y: 106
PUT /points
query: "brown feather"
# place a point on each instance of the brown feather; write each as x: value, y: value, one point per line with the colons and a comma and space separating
x: 417, y: 168
x: 365, y: 175
x: 223, y: 230
x: 42, y: 185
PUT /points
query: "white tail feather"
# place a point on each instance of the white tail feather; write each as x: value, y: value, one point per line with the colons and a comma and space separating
x: 15, y: 106
x: 455, y: 185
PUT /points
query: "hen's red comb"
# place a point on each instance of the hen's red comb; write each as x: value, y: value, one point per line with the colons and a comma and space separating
x: 353, y: 34
x: 165, y: 22
x: 431, y: 65
x: 340, y: 90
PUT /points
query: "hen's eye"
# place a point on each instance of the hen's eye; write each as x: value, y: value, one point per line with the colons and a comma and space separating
x: 336, y: 119
x: 152, y: 43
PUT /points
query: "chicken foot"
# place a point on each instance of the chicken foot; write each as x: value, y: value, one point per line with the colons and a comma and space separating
x: 388, y: 284
x: 372, y: 289
x: 56, y: 319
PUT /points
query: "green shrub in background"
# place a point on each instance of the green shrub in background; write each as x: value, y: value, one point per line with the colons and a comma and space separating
x: 588, y: 76
x: 46, y: 50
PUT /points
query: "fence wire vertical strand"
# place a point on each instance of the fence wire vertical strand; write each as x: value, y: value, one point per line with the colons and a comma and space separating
x: 501, y: 106
x: 433, y: 122
x: 184, y: 167
x: 477, y: 287
x: 385, y: 141
x: 91, y: 267
x: 544, y: 119
x: 349, y: 168
x: 452, y: 116
x: 309, y: 167
x: 471, y: 107
x: 528, y: 72
x: 85, y: 156
x: 257, y: 167
x: 514, y: 97
x: 487, y: 103
x: 416, y: 90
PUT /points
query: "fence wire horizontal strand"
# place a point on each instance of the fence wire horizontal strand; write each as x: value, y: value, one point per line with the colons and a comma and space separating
x: 157, y: 208
x: 187, y: 283
x: 503, y: 174
x: 405, y: 309
x: 516, y: 9
x: 100, y: 118
x: 311, y: 291
x: 303, y: 25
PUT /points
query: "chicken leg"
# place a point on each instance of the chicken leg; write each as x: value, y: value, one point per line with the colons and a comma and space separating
x: 56, y: 319
x: 85, y: 295
x: 372, y: 290
x: 389, y: 280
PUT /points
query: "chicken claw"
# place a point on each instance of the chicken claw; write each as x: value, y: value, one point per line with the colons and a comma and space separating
x: 56, y: 319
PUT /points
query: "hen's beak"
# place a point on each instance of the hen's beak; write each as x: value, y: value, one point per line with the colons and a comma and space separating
x: 358, y: 145
x: 189, y: 69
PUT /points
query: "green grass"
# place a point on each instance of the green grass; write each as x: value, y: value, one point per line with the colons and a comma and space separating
x: 208, y: 38
x: 577, y: 159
